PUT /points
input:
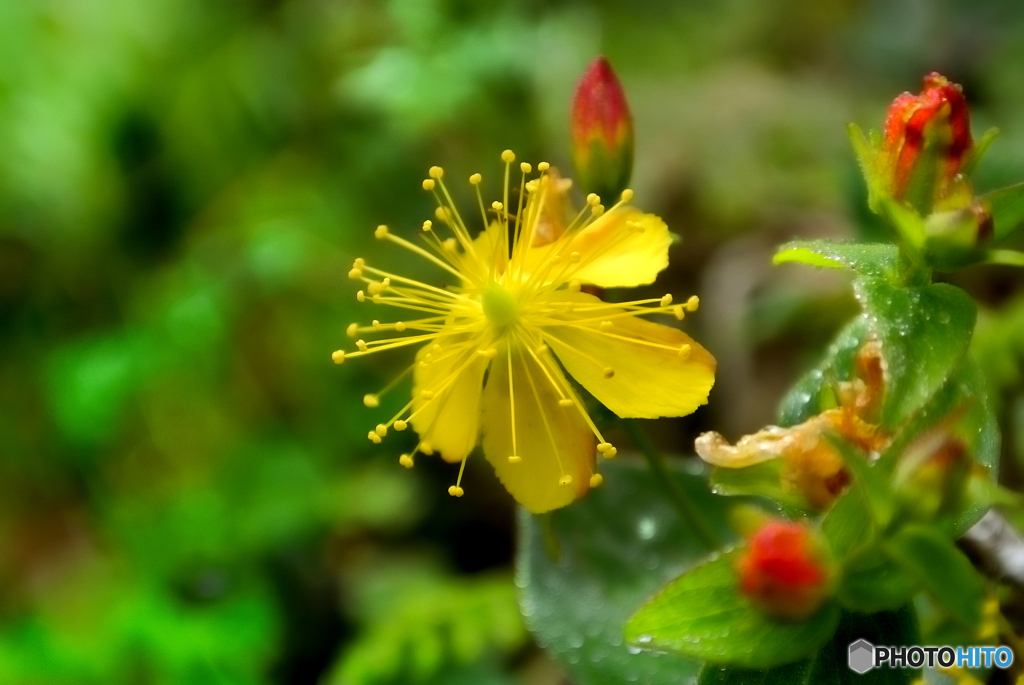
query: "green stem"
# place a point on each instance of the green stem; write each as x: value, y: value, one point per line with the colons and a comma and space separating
x: 1005, y: 257
x: 676, y: 495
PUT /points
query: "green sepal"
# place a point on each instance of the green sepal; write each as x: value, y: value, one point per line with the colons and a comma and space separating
x: 867, y: 259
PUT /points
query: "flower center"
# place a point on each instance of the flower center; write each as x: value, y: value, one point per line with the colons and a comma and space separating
x: 500, y: 306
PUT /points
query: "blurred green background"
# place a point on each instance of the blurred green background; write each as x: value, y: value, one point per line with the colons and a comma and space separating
x: 187, y: 494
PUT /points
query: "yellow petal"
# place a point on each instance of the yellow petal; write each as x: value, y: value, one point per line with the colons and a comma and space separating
x: 450, y: 421
x: 552, y: 441
x: 621, y: 249
x: 614, y: 364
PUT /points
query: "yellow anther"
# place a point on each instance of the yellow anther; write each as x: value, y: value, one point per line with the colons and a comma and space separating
x: 489, y: 353
x: 603, y: 447
x: 627, y: 195
x: 338, y: 356
x: 426, y: 447
x: 593, y: 199
x: 361, y: 296
x: 428, y: 184
x: 543, y: 166
x: 371, y: 400
x: 374, y: 288
x: 435, y: 172
x: 374, y: 438
x: 574, y: 287
x: 441, y: 213
x: 400, y: 425
x: 596, y: 480
x: 475, y: 179
x: 508, y: 156
x: 525, y: 167
x: 359, y: 263
x: 565, y: 480
x: 381, y: 231
x: 565, y: 402
x: 455, y: 491
x: 597, y: 210
x: 575, y: 257
x: 400, y: 326
x: 361, y: 344
x: 352, y: 330
x: 496, y: 206
x: 355, y: 273
x: 531, y: 186
x: 406, y: 461
x: 426, y: 395
x: 608, y: 372
x: 385, y: 284
x: 514, y: 459
x: 381, y: 430
x: 693, y: 303
x: 436, y: 348
x: 610, y: 454
x: 450, y: 244
x: 678, y: 311
x: 667, y: 300
x: 376, y: 325
x: 684, y: 351
x: 427, y: 225
x: 606, y: 325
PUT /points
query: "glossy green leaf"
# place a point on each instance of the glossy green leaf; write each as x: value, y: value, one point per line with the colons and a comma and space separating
x: 847, y: 525
x: 922, y: 552
x: 869, y: 481
x: 585, y: 569
x: 760, y: 480
x: 924, y: 333
x: 829, y: 665
x: 868, y: 259
x: 703, y: 615
x: 812, y: 394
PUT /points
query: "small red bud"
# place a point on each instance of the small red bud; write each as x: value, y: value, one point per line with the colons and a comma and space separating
x: 784, y: 571
x: 927, y: 139
x: 602, y: 132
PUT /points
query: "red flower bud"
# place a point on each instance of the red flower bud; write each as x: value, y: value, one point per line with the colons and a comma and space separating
x: 602, y: 132
x: 784, y: 571
x: 927, y: 139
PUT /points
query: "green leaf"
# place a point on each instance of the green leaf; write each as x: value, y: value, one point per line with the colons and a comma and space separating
x: 812, y: 394
x: 872, y: 582
x: 1006, y: 206
x: 847, y: 525
x: 936, y: 564
x: 703, y: 615
x: 585, y: 569
x: 829, y: 666
x: 908, y: 224
x: 868, y: 259
x: 869, y: 482
x: 924, y: 333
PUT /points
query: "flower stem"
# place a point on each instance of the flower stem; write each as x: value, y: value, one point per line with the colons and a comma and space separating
x: 701, y: 529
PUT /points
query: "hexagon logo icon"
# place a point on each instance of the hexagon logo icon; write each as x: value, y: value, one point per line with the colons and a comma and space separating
x: 862, y: 656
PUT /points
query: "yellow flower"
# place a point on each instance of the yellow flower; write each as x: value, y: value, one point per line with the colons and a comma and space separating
x: 496, y: 344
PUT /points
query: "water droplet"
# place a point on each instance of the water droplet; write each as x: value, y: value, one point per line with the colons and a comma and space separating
x: 646, y: 528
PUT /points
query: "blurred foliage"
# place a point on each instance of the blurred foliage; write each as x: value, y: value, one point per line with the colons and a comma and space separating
x: 186, y: 495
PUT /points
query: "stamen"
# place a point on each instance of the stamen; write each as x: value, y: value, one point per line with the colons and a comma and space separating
x: 515, y: 460
x: 361, y: 296
x: 338, y: 356
x: 684, y: 351
x: 361, y: 344
x: 400, y: 425
x: 428, y: 184
x: 608, y: 372
x: 406, y: 461
x: 565, y: 480
x: 355, y: 273
x: 371, y: 400
x: 456, y: 491
x: 374, y: 438
x: 426, y: 448
x: 381, y: 430
x: 678, y: 311
x: 381, y: 231
x: 475, y: 179
x: 692, y: 303
x: 627, y: 195
x: 596, y: 480
x: 543, y: 166
x: 666, y: 300
x: 352, y: 330
x: 428, y: 224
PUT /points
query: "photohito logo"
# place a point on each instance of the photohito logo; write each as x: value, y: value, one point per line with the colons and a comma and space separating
x: 864, y: 656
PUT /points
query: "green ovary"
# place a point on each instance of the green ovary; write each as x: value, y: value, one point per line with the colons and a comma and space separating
x: 500, y: 306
